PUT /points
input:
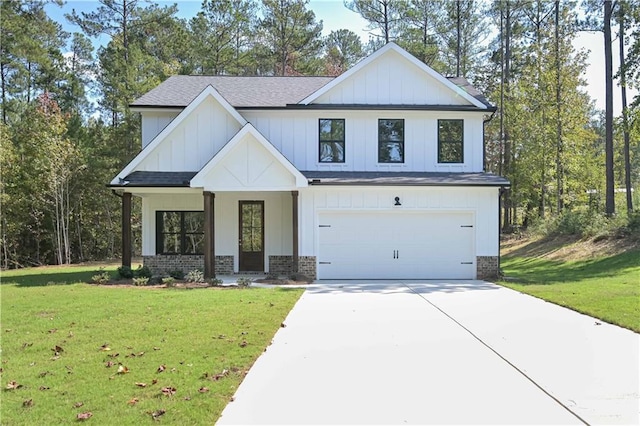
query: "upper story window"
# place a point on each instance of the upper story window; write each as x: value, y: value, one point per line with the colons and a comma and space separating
x: 450, y: 141
x: 390, y: 140
x: 179, y: 232
x: 331, y: 140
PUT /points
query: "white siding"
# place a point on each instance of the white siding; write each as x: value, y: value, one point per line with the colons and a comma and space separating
x: 194, y: 141
x: 392, y: 80
x: 482, y: 202
x: 277, y: 216
x: 295, y: 134
x: 153, y: 122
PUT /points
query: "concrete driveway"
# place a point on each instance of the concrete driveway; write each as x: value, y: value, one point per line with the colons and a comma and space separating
x: 463, y: 352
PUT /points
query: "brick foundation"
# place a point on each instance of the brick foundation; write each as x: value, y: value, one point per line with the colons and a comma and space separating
x: 282, y: 265
x: 487, y: 267
x: 162, y: 263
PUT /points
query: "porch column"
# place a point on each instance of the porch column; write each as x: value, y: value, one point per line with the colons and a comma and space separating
x: 126, y: 229
x: 209, y: 235
x: 294, y: 211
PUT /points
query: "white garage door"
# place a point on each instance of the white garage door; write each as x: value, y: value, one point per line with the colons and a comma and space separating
x: 396, y: 245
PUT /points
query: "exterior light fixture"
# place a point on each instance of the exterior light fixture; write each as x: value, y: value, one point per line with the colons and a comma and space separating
x: 397, y: 201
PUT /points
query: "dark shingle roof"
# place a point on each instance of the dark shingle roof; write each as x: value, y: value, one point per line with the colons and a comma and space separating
x: 464, y: 84
x: 404, y: 178
x: 180, y: 90
x: 159, y: 179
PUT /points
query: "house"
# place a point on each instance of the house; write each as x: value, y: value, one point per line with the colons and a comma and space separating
x: 377, y: 173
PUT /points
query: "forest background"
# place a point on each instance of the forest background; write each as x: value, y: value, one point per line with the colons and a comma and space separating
x: 66, y: 128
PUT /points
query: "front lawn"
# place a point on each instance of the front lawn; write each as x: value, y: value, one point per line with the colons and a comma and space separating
x: 127, y: 355
x: 607, y: 288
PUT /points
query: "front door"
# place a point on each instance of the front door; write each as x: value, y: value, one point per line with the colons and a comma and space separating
x: 251, y: 240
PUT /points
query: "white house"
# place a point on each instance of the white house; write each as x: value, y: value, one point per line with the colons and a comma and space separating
x: 377, y: 173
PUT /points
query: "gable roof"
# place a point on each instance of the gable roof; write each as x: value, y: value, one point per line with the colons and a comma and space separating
x: 180, y: 90
x: 199, y: 180
x: 406, y: 55
x: 208, y: 91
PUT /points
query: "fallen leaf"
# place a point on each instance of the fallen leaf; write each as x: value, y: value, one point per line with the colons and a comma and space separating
x: 243, y: 344
x: 133, y: 401
x: 26, y: 345
x: 27, y: 403
x: 57, y: 349
x: 78, y: 404
x: 13, y: 385
x: 44, y: 388
x: 141, y: 385
x: 168, y: 391
x: 84, y: 416
x: 187, y: 398
x: 53, y: 330
x: 157, y: 414
x: 222, y: 336
x: 70, y: 334
x: 154, y: 381
x: 109, y: 364
x: 162, y: 368
x: 105, y: 347
x: 113, y: 355
x: 122, y: 370
x: 155, y: 348
x: 283, y: 325
x: 55, y: 357
x: 219, y: 376
x: 203, y: 390
x: 44, y: 373
x: 140, y: 353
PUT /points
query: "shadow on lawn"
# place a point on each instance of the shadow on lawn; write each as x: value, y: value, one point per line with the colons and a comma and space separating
x: 53, y: 278
x: 542, y: 271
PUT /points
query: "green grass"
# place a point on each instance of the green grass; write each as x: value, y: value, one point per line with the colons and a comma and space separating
x: 607, y: 288
x: 196, y: 334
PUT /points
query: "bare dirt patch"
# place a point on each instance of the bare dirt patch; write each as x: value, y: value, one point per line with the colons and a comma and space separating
x: 567, y: 247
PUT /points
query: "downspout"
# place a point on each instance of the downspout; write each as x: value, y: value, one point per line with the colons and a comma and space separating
x: 484, y: 143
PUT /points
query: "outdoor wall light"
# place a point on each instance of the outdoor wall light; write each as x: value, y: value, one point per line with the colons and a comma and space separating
x: 397, y: 201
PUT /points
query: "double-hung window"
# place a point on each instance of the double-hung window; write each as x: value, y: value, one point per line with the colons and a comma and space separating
x: 179, y: 232
x: 331, y: 140
x: 390, y: 140
x: 450, y: 141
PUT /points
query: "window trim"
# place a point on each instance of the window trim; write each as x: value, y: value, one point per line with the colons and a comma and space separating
x: 182, y: 234
x: 343, y: 141
x: 402, y: 143
x: 461, y: 142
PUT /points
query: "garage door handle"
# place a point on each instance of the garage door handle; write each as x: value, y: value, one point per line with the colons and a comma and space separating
x: 396, y: 254
x: 466, y: 263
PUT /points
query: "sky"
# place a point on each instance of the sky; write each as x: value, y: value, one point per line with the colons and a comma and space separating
x: 334, y: 16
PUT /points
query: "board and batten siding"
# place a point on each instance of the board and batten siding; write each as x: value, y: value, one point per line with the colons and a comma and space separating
x: 277, y: 216
x: 296, y: 135
x: 153, y: 122
x: 194, y: 141
x: 391, y: 80
x: 482, y: 202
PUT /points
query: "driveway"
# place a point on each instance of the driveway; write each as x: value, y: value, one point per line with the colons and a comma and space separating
x: 460, y: 352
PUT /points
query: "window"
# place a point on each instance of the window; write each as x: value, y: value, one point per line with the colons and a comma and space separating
x: 450, y: 141
x: 390, y: 141
x: 179, y: 232
x: 331, y: 140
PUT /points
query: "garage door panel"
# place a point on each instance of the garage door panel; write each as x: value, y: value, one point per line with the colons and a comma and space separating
x: 403, y: 245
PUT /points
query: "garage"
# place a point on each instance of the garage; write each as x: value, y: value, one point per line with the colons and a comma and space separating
x: 396, y: 245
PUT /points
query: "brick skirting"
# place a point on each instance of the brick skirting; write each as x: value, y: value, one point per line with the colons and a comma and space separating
x: 487, y: 267
x: 282, y: 265
x: 163, y: 263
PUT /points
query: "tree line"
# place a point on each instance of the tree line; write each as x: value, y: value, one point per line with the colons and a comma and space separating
x: 66, y: 128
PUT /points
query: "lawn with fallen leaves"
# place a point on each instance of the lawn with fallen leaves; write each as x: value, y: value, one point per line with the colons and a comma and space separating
x: 84, y: 353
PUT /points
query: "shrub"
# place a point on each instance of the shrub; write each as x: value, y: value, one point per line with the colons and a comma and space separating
x: 300, y: 277
x: 102, y: 277
x: 169, y: 281
x: 244, y: 282
x: 195, y: 276
x: 215, y: 281
x: 125, y: 272
x: 140, y: 281
x: 178, y: 274
x: 272, y: 276
x: 142, y: 272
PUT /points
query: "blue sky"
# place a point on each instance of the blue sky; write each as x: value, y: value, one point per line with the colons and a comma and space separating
x: 334, y: 15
